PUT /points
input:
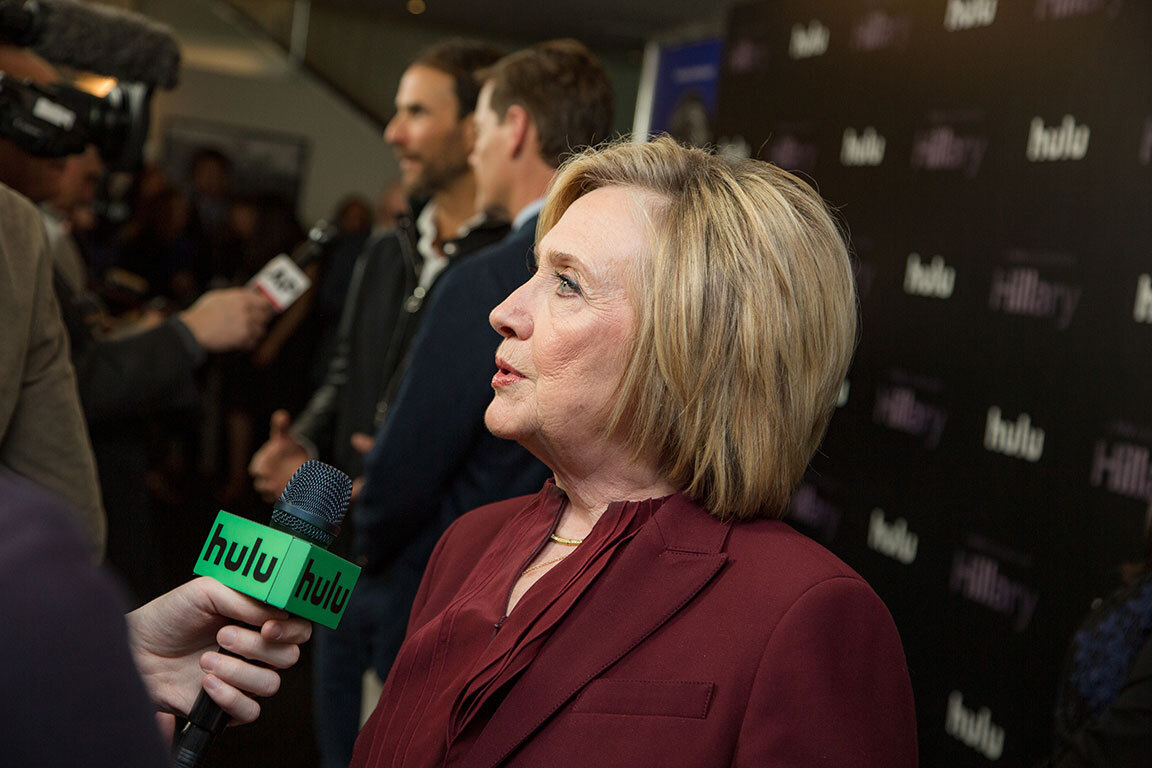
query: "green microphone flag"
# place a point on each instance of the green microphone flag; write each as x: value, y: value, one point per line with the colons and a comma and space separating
x: 278, y: 569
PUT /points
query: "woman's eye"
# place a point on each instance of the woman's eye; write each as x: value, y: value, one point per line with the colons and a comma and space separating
x: 566, y: 286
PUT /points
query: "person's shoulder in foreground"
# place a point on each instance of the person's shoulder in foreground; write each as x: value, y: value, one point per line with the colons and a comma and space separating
x: 74, y: 694
x: 43, y: 435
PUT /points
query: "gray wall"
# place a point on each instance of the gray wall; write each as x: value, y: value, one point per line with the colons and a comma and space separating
x: 233, y: 75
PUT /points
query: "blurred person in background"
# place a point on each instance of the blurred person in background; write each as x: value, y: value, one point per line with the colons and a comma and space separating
x: 354, y: 216
x: 432, y: 135
x: 68, y: 215
x: 209, y: 189
x: 260, y: 227
x: 1104, y: 704
x: 122, y: 291
x: 155, y: 245
x: 391, y: 205
x: 433, y: 458
x: 339, y: 261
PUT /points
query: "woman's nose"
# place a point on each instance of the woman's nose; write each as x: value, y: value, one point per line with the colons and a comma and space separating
x: 510, y: 318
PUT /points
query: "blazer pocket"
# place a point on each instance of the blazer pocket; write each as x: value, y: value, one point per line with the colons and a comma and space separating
x: 655, y: 698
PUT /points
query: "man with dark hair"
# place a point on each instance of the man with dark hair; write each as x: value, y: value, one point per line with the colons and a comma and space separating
x: 432, y: 134
x: 433, y: 458
x: 560, y: 87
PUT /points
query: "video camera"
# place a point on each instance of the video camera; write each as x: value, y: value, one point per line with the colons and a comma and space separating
x: 58, y: 120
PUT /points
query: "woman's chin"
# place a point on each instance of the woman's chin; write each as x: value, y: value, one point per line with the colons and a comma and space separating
x: 500, y: 424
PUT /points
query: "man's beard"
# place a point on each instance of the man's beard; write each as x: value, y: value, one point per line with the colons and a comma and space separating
x: 438, y: 173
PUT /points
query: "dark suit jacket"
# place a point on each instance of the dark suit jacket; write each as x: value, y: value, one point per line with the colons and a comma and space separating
x: 133, y: 380
x: 701, y: 644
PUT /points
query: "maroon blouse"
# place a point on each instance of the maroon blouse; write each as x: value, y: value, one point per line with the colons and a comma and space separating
x: 452, y: 672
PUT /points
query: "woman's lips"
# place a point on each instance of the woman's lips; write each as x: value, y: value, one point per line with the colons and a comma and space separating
x: 505, y: 374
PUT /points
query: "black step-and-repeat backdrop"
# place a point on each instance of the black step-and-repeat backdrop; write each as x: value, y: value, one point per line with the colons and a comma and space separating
x: 990, y: 465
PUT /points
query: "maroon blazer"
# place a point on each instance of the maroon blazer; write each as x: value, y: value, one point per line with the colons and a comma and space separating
x: 701, y: 644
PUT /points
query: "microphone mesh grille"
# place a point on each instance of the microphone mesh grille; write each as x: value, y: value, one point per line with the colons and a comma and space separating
x: 320, y: 489
x: 286, y: 521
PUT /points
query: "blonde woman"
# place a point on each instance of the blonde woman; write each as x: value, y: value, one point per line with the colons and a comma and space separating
x: 674, y: 360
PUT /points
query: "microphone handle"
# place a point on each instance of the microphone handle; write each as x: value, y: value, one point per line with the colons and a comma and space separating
x: 206, y: 721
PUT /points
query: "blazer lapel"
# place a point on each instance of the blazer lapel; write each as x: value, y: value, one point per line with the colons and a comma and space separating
x: 658, y: 572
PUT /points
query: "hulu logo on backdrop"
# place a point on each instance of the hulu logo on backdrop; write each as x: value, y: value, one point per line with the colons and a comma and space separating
x: 865, y: 148
x: 277, y: 568
x: 809, y: 41
x: 1142, y: 312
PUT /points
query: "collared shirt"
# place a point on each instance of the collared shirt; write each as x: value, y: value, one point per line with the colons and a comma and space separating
x: 527, y: 212
x: 435, y: 261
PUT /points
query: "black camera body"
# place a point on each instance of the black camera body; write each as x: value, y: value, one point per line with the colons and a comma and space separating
x: 58, y: 120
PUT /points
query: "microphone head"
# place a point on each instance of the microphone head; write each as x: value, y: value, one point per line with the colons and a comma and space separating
x: 313, y: 503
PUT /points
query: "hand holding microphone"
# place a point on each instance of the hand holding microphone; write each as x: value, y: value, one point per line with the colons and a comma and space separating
x: 175, y: 637
x: 228, y: 319
x: 236, y: 318
x: 285, y: 565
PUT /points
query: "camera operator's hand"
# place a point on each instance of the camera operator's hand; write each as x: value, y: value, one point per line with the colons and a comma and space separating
x: 278, y: 459
x: 228, y: 319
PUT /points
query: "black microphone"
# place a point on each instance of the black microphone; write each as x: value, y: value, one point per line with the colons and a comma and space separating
x: 320, y: 238
x: 95, y: 38
x: 283, y: 280
x: 311, y: 508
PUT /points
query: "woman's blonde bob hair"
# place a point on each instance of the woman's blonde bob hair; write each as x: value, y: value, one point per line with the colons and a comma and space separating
x: 746, y: 320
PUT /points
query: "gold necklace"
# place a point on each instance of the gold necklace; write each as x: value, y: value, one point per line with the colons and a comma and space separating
x: 538, y: 566
x: 563, y: 541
